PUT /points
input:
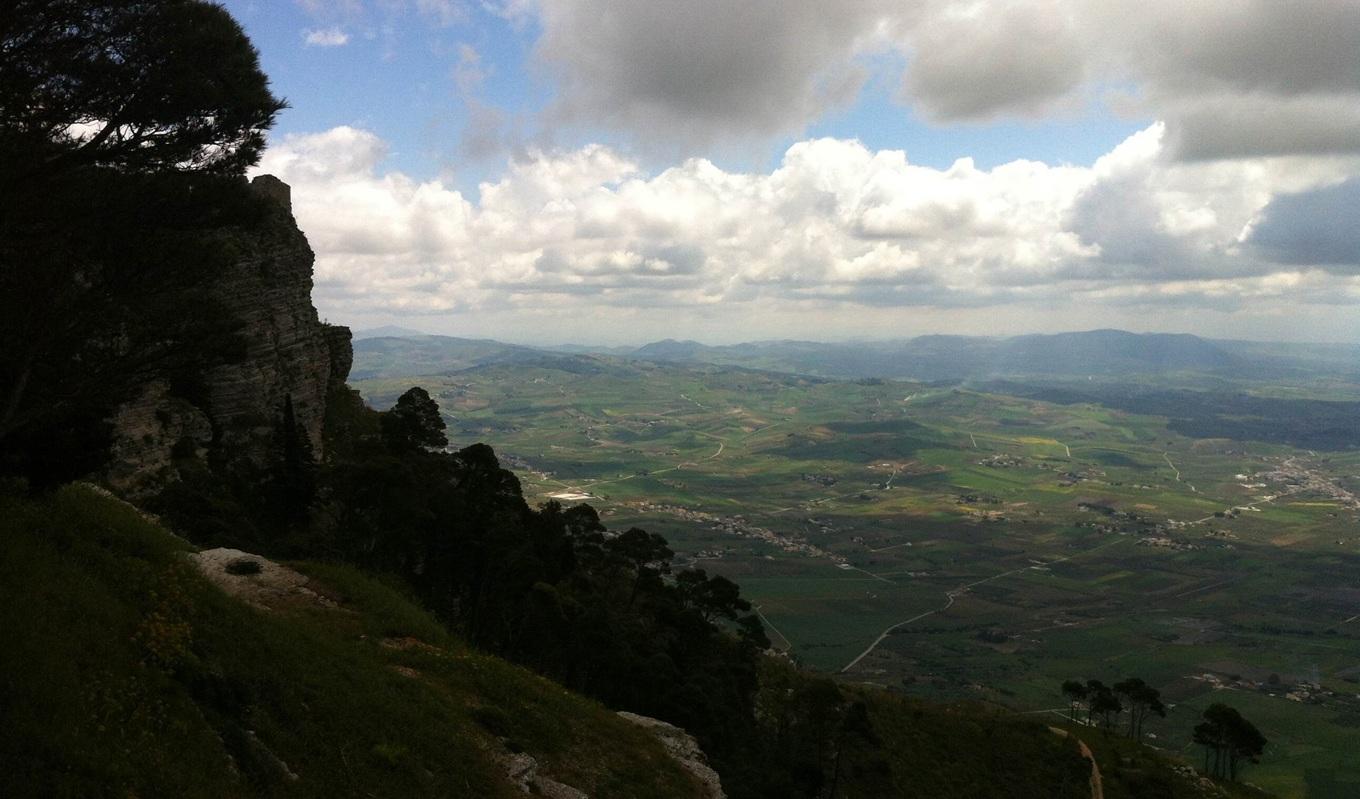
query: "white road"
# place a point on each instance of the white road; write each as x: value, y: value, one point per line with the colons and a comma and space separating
x: 963, y: 589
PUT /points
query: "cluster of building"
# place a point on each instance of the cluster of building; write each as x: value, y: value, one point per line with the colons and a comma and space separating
x: 1308, y: 691
x: 1162, y: 542
x: 1298, y: 479
x: 740, y: 527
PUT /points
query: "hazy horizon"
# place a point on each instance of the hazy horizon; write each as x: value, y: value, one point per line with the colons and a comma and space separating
x: 369, y: 331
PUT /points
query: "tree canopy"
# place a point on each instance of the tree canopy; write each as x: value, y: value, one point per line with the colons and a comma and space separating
x: 414, y: 421
x: 133, y: 84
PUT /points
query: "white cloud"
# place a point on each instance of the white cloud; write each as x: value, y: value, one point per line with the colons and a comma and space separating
x: 325, y: 37
x: 443, y: 12
x: 468, y: 73
x: 835, y: 229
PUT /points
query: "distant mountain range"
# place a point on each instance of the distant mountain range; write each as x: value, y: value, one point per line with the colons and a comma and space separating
x: 1095, y: 353
x: 1101, y: 352
x: 387, y: 331
x: 403, y: 356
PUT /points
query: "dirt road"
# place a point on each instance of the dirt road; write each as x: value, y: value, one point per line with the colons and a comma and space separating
x: 1097, y: 790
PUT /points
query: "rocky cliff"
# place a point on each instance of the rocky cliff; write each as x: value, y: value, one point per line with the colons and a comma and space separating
x: 290, y: 358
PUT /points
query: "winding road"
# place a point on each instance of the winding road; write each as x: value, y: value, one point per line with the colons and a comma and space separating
x: 1097, y: 789
x: 963, y: 589
x: 1167, y: 456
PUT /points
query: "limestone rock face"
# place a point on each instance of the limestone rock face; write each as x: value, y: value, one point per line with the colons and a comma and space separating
x: 290, y: 357
x: 683, y: 749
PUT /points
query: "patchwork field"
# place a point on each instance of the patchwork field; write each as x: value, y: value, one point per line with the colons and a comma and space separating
x: 951, y: 542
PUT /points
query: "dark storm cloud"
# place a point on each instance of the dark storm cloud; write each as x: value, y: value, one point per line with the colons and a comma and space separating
x: 1017, y: 59
x: 1318, y: 228
x: 1232, y: 78
x: 705, y: 70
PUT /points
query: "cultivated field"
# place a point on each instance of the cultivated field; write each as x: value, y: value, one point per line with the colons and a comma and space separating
x: 950, y: 542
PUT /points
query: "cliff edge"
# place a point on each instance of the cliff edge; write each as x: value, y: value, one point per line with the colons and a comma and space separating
x: 289, y: 363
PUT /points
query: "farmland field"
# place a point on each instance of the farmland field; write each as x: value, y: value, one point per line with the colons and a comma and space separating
x: 951, y: 541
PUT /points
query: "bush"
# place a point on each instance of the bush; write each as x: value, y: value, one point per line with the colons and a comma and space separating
x: 244, y: 566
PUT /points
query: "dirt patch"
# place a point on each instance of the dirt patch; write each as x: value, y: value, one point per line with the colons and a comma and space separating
x: 403, y: 644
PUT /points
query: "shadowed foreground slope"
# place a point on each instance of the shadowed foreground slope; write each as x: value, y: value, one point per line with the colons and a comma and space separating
x: 128, y: 674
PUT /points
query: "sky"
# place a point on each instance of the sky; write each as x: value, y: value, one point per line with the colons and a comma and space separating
x: 620, y: 171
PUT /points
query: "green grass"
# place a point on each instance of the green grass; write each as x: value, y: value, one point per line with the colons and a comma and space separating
x: 126, y: 674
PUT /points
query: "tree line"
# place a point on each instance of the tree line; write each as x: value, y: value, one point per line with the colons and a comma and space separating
x: 1106, y: 703
x: 1229, y: 740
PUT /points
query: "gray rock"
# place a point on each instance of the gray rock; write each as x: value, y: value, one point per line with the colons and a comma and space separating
x: 522, y: 770
x: 682, y: 747
x: 290, y: 355
x: 266, y: 584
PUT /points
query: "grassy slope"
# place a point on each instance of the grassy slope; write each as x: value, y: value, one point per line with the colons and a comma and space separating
x: 123, y: 673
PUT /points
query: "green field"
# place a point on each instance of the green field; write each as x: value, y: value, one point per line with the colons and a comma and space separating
x: 1021, y: 542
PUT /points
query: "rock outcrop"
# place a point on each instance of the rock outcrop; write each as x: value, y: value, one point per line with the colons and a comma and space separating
x: 522, y: 770
x: 683, y: 749
x: 256, y: 580
x: 291, y: 358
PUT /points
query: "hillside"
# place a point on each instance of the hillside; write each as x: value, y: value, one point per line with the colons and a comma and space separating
x: 964, y: 357
x: 128, y: 674
x: 1102, y: 354
x: 393, y: 356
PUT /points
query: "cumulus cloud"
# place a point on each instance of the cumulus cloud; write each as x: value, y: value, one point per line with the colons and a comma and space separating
x: 325, y: 37
x: 1231, y: 78
x: 834, y: 226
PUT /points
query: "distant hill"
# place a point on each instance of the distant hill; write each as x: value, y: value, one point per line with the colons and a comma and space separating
x: 1100, y: 352
x: 672, y: 350
x: 388, y: 331
x: 409, y: 356
x: 1094, y: 353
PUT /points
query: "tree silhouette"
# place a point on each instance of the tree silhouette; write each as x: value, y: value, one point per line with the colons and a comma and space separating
x: 414, y: 421
x: 1142, y: 699
x: 646, y: 555
x: 292, y: 485
x: 140, y: 86
x: 1230, y: 739
x: 712, y: 597
x: 1101, y: 701
x: 1076, y: 694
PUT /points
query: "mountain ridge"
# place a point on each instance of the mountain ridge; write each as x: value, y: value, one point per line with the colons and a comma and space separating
x: 930, y: 357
